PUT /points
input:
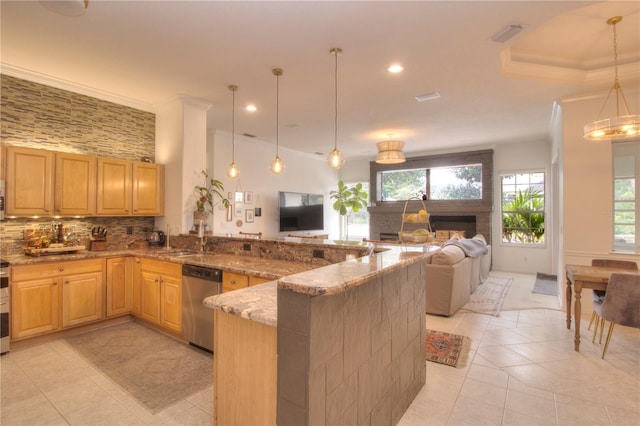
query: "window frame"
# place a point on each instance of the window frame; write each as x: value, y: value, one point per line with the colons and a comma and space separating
x: 635, y: 146
x: 545, y: 235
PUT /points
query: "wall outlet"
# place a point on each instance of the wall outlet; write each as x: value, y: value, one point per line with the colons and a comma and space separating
x: 129, y: 230
x: 318, y: 254
x: 246, y: 246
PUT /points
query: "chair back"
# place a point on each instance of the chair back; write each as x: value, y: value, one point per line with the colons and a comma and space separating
x: 622, y: 300
x: 615, y: 263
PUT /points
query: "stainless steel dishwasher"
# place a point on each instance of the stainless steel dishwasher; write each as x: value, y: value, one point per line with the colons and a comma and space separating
x: 198, y: 283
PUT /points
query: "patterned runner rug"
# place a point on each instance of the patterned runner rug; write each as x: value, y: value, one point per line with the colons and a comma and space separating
x: 155, y: 369
x: 447, y: 348
x: 489, y: 296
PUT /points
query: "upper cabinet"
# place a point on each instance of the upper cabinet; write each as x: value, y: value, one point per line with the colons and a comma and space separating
x: 75, y: 183
x: 29, y: 182
x: 147, y: 189
x: 47, y: 183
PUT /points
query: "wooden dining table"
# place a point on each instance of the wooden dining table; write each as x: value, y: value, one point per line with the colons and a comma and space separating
x: 585, y: 276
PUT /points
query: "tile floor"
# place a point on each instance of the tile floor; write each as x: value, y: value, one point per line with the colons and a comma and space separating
x: 522, y: 370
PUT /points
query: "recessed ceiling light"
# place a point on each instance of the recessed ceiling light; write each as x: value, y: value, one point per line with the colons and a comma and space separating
x: 396, y: 68
x: 251, y: 108
x: 66, y: 7
x: 427, y: 96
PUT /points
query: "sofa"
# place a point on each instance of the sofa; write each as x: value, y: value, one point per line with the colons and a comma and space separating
x: 454, y: 273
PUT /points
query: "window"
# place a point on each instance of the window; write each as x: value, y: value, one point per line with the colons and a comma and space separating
x: 626, y: 158
x: 462, y: 182
x: 358, y: 223
x: 523, y: 208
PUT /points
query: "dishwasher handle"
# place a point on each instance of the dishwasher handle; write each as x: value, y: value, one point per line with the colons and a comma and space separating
x: 202, y: 272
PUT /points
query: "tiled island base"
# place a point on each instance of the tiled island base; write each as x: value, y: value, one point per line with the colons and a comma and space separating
x: 355, y: 357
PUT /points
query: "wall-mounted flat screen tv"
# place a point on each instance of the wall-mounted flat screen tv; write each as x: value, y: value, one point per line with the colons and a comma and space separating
x: 301, y: 212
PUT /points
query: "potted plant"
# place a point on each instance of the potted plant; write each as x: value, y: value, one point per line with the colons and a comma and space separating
x: 208, y: 196
x: 348, y: 200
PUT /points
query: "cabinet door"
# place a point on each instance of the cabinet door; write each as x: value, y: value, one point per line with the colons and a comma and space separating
x: 34, y: 307
x: 29, y: 182
x: 148, y: 189
x: 150, y: 297
x: 82, y: 298
x: 253, y: 280
x: 119, y: 285
x: 136, y: 282
x: 75, y: 184
x: 232, y: 281
x: 171, y: 303
x: 114, y: 187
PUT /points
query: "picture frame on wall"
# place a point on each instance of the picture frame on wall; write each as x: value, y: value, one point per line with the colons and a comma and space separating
x: 249, y: 214
x: 248, y: 197
x: 238, y: 210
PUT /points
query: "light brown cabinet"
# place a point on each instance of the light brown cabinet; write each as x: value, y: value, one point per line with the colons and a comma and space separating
x: 48, y: 296
x: 45, y: 183
x: 161, y: 293
x: 119, y: 286
x: 75, y: 185
x: 29, y: 182
x: 233, y: 281
x: 130, y: 188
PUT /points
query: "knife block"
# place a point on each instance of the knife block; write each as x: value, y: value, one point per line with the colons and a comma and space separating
x: 98, y: 245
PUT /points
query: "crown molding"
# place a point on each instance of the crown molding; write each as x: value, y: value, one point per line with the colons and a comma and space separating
x: 74, y: 87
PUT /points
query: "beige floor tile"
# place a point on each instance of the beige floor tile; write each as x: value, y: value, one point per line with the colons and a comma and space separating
x: 467, y: 411
x: 488, y: 375
x: 192, y: 417
x: 621, y: 417
x: 517, y: 385
x: 503, y: 356
x: 512, y: 418
x: 573, y: 411
x: 484, y: 392
x: 203, y: 400
x: 106, y: 411
x: 32, y: 411
x: 540, y: 409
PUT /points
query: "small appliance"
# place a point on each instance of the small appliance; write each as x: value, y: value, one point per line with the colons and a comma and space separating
x: 156, y: 238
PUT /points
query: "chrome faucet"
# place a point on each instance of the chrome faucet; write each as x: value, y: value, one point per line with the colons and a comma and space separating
x: 201, y: 236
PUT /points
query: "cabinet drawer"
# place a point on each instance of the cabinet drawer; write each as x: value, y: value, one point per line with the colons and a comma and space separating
x: 161, y: 267
x: 232, y: 281
x: 56, y: 269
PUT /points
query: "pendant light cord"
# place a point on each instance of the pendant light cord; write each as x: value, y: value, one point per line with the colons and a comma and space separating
x: 335, y: 127
x: 233, y: 125
x: 277, y: 111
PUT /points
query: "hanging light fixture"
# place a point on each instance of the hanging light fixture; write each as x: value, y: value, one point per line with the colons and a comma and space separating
x: 390, y: 152
x: 277, y: 165
x: 336, y: 159
x: 233, y: 171
x: 620, y: 126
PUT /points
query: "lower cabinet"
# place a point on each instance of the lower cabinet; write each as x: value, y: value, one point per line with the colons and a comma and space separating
x: 50, y: 296
x: 120, y: 285
x: 233, y: 281
x: 161, y: 293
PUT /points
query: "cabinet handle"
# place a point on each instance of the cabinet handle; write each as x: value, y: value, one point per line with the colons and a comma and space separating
x: 61, y: 268
x: 126, y: 210
x: 55, y: 283
x: 233, y: 281
x: 46, y: 210
x: 66, y: 282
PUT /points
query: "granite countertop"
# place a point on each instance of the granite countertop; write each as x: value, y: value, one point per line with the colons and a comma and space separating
x: 251, y: 265
x: 259, y: 303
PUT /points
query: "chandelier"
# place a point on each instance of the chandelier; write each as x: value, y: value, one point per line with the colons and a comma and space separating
x: 620, y: 126
x: 390, y: 152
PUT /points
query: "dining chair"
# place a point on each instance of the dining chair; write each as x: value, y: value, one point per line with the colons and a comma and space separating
x: 621, y: 304
x: 598, y: 295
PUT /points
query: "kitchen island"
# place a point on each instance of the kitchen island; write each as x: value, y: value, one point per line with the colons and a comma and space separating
x: 343, y: 343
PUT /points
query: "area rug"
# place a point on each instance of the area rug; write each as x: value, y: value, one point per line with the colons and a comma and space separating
x: 155, y: 369
x: 447, y: 348
x: 546, y: 284
x: 489, y: 296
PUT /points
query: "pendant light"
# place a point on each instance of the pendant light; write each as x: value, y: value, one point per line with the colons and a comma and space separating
x: 233, y: 171
x: 620, y: 126
x: 390, y: 152
x: 336, y: 159
x: 277, y: 165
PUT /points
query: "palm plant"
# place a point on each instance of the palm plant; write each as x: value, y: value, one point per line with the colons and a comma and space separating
x: 523, y: 217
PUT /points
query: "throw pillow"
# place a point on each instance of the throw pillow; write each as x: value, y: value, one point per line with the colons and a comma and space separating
x: 448, y: 255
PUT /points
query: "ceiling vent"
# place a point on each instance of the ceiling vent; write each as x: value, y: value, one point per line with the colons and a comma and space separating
x: 249, y: 135
x: 507, y: 33
x: 427, y: 96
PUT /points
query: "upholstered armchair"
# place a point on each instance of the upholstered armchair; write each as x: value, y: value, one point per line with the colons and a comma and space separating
x: 598, y: 295
x: 621, y: 304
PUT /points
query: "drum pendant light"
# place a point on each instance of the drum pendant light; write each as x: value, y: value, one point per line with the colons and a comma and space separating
x: 336, y: 159
x: 233, y: 171
x: 277, y: 165
x: 620, y: 126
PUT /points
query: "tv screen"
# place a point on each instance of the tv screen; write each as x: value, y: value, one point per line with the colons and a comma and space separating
x: 301, y: 212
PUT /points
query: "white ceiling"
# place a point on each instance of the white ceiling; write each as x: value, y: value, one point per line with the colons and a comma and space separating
x: 144, y: 53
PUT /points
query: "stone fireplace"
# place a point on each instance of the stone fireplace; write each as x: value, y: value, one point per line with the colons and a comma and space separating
x: 471, y: 216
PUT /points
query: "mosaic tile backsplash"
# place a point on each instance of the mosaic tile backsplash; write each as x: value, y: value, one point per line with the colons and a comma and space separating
x: 39, y: 116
